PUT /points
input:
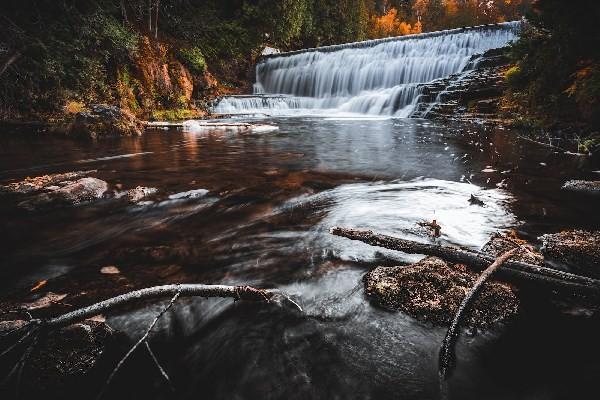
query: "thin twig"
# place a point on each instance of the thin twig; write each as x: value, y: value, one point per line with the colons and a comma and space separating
x: 158, y: 366
x: 18, y: 342
x: 136, y: 345
x: 446, y: 361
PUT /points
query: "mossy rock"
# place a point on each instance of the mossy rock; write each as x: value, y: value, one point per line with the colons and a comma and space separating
x: 431, y: 290
x: 103, y: 121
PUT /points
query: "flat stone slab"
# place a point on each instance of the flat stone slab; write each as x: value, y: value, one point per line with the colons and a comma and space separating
x: 576, y: 248
x: 585, y: 187
x: 194, y: 125
x: 431, y: 290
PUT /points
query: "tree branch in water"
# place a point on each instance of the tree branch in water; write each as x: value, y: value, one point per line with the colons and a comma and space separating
x: 447, y: 357
x: 571, y: 283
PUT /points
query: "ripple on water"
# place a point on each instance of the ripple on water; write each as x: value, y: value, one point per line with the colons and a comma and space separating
x: 396, y: 207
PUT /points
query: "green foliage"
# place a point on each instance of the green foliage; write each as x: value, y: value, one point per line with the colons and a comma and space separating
x: 559, y: 61
x: 193, y: 59
x: 514, y: 77
x: 178, y: 114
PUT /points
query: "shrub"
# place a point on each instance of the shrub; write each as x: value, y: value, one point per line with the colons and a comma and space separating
x: 74, y: 107
x: 194, y: 59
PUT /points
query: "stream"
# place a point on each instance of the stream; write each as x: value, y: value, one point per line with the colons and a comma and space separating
x: 259, y: 213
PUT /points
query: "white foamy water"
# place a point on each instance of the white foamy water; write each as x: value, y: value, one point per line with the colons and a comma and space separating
x: 396, y: 208
x: 377, y: 77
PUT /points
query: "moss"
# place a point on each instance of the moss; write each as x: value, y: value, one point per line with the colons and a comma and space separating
x: 177, y: 114
x: 194, y: 59
x: 514, y: 77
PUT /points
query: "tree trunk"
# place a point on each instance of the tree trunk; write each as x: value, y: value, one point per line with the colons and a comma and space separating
x: 149, y: 16
x: 555, y: 279
x: 156, y: 19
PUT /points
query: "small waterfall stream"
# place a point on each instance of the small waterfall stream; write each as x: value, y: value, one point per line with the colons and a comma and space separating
x: 376, y: 77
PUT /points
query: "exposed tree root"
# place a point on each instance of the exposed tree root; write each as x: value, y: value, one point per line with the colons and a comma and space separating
x: 447, y: 357
x: 555, y: 279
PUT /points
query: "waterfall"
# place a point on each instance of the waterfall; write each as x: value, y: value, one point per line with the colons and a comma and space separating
x: 376, y: 77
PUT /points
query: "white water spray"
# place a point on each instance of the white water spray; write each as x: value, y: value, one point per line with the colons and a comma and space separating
x: 376, y: 77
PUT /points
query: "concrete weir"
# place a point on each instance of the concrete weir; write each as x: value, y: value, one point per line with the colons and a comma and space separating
x: 375, y: 77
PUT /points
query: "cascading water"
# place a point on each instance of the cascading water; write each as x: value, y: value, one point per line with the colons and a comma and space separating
x: 376, y: 77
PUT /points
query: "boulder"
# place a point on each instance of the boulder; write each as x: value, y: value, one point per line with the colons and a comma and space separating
x: 432, y: 290
x: 80, y: 191
x: 69, y: 360
x: 576, y: 248
x: 44, y: 182
x: 104, y: 120
x: 584, y: 187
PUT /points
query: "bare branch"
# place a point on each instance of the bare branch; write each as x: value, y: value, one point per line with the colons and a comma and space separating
x: 447, y: 358
x: 136, y: 345
x: 159, y: 367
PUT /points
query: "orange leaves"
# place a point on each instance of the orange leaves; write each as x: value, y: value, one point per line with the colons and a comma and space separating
x: 389, y: 25
x: 39, y: 285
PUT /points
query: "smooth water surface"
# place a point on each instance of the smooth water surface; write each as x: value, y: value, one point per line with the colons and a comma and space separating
x: 256, y: 208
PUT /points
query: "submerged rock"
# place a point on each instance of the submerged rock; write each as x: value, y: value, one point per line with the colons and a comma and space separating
x: 432, y: 290
x: 576, y: 248
x: 500, y: 243
x: 139, y: 193
x: 104, y: 120
x: 79, y: 191
x: 585, y: 187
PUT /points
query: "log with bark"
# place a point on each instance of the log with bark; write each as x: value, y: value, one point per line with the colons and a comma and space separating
x: 520, y: 271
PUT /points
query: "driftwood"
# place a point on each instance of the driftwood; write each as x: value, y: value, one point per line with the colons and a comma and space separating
x: 447, y: 357
x: 30, y: 333
x: 553, y: 278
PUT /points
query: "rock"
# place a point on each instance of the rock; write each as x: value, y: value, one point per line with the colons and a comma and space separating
x: 499, y: 244
x: 67, y: 359
x: 139, y: 193
x: 44, y: 182
x: 432, y: 290
x: 190, y: 194
x: 80, y: 191
x: 110, y: 269
x: 576, y: 248
x: 104, y: 120
x: 585, y: 187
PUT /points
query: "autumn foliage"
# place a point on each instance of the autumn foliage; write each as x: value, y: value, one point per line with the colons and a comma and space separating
x: 389, y: 25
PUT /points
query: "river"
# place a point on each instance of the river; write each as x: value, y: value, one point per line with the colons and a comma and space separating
x: 272, y: 196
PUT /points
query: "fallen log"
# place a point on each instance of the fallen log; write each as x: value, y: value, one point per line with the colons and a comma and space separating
x: 447, y: 357
x: 553, y: 278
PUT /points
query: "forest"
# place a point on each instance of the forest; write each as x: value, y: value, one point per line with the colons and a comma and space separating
x: 299, y: 199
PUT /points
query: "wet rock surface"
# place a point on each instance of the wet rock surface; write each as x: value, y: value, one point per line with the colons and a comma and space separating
x: 40, y: 183
x: 139, y: 193
x: 104, y: 121
x: 472, y: 95
x: 76, y: 192
x: 67, y: 360
x: 431, y: 290
x: 501, y: 243
x: 576, y: 248
x: 584, y: 187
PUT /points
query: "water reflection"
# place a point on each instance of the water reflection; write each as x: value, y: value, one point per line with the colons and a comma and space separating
x: 271, y: 198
